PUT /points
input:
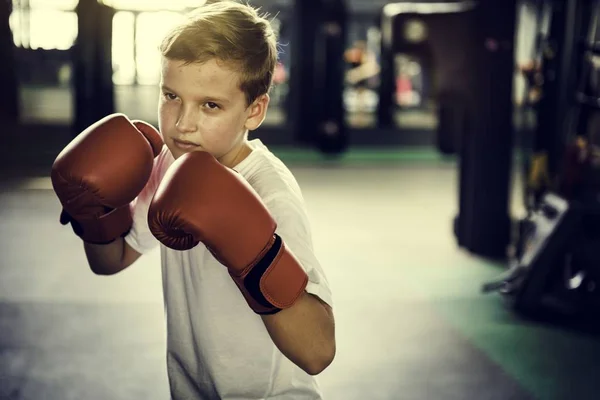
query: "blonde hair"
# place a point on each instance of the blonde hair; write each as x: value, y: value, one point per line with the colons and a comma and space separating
x: 230, y: 32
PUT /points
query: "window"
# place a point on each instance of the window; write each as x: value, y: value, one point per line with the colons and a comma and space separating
x: 44, y: 28
x: 65, y: 5
x: 123, y: 48
x: 151, y: 5
x: 151, y: 28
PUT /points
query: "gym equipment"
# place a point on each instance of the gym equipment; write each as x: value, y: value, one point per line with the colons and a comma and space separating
x: 557, y: 273
x: 556, y: 265
x: 540, y: 77
x: 547, y: 232
x: 558, y: 63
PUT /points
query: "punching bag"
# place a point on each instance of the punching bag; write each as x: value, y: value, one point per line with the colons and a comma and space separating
x: 483, y: 224
x: 317, y: 75
x: 92, y: 64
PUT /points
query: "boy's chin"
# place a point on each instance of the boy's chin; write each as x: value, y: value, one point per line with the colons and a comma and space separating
x: 177, y: 152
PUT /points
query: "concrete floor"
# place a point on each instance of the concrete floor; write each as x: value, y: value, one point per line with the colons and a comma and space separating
x: 411, y: 323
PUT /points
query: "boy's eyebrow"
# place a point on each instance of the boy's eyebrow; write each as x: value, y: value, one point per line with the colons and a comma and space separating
x: 165, y: 87
x: 213, y: 99
x: 205, y: 98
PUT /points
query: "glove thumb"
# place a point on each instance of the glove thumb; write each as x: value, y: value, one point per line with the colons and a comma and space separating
x: 151, y: 134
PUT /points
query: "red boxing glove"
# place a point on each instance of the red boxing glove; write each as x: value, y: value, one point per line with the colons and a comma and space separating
x: 200, y: 200
x: 100, y: 172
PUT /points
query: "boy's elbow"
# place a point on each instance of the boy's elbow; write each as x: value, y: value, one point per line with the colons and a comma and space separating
x: 321, y: 361
x: 101, y: 271
x: 104, y: 270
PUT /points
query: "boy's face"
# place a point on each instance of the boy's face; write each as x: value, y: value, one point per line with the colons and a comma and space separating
x: 202, y: 108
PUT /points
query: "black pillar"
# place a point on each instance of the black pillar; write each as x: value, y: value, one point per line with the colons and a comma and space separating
x: 9, y: 95
x: 92, y: 64
x: 483, y: 223
x: 387, y: 74
x: 316, y: 114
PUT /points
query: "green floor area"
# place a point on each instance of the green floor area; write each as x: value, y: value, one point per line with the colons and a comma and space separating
x: 372, y: 156
x: 355, y: 156
x: 550, y: 361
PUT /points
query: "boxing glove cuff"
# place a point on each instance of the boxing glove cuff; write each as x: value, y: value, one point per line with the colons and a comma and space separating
x: 275, y: 282
x: 106, y: 228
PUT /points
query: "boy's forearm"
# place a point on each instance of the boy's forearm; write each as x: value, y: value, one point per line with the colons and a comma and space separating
x: 305, y: 333
x: 105, y: 259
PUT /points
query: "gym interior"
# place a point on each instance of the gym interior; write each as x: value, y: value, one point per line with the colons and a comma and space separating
x: 447, y: 154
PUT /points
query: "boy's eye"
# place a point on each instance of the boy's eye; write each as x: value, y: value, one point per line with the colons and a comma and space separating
x: 212, y: 105
x: 170, y: 96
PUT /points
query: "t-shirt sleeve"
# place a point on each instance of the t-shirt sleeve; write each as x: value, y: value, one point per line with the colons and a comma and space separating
x: 293, y: 226
x: 139, y: 237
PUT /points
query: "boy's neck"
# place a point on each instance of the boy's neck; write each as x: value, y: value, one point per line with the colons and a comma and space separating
x: 236, y: 156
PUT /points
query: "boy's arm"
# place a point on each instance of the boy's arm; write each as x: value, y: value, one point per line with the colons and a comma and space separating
x: 305, y: 333
x: 113, y: 258
x: 109, y: 259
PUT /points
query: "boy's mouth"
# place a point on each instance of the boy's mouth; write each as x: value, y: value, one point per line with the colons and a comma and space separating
x: 185, y: 144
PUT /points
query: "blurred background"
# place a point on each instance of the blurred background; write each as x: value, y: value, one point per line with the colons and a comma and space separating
x: 44, y: 33
x: 447, y: 154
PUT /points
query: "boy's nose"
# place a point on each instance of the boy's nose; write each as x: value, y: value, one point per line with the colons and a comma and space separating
x: 187, y: 122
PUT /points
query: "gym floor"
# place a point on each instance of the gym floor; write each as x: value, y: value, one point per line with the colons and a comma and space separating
x: 411, y: 321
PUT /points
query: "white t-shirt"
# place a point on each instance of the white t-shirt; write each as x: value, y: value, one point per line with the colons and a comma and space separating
x: 217, y: 347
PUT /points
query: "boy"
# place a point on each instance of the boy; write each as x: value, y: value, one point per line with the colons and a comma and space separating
x: 217, y: 68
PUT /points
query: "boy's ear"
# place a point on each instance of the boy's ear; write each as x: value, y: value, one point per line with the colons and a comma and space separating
x: 258, y: 112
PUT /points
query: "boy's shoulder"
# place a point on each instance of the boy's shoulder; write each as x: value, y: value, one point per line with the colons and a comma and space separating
x: 267, y: 174
x: 263, y: 170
